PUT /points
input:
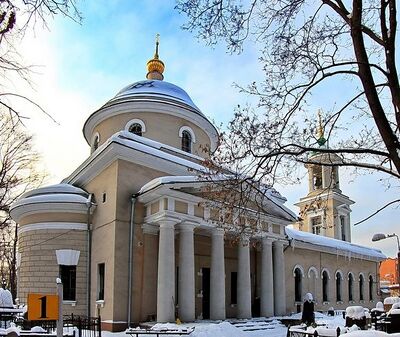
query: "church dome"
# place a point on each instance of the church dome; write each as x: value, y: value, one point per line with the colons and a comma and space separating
x: 157, y: 110
x: 54, y: 198
x: 156, y: 90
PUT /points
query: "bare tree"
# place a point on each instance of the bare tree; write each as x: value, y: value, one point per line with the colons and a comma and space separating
x: 15, y: 18
x: 344, y: 50
x: 18, y: 173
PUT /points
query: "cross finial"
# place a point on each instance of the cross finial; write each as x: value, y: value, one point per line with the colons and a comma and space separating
x: 155, y: 67
x: 157, y: 43
x: 320, y: 131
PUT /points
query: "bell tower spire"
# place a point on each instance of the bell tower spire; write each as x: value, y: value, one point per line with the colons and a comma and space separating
x: 325, y: 210
x: 155, y: 67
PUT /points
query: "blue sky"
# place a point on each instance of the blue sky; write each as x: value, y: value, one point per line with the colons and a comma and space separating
x: 83, y: 66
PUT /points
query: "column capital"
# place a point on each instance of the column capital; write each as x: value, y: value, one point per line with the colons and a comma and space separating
x: 244, y: 239
x: 278, y: 243
x: 167, y: 222
x: 267, y: 241
x: 217, y: 231
x: 187, y: 226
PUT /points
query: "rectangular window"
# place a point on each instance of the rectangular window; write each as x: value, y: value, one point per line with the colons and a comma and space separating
x: 316, y: 225
x: 68, y: 278
x: 233, y: 287
x: 101, y: 268
x: 343, y: 227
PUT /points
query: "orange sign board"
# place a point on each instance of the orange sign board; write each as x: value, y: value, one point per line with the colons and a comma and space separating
x: 42, y: 307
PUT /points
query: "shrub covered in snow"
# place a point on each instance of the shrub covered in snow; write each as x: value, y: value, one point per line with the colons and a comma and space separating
x: 355, y: 312
x: 391, y: 300
x: 6, y: 300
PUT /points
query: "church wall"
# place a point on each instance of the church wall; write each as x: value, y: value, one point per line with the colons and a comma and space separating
x: 307, y: 259
x: 149, y: 280
x: 53, y: 217
x: 131, y: 178
x: 330, y: 219
x: 39, y: 268
x: 103, y: 237
x: 160, y: 127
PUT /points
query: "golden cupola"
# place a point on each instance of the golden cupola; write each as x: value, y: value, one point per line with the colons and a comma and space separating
x: 320, y: 131
x: 155, y: 67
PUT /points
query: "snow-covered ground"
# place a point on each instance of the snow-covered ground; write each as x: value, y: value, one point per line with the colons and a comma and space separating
x: 254, y: 328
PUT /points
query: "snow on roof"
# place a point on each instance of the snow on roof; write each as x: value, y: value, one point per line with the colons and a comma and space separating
x: 271, y: 196
x: 339, y: 245
x: 157, y: 145
x: 154, y: 148
x: 55, y: 189
x: 168, y: 180
x: 157, y: 89
x: 59, y: 193
x: 51, y: 198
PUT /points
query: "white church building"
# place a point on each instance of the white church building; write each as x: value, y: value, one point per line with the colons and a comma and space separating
x: 132, y: 238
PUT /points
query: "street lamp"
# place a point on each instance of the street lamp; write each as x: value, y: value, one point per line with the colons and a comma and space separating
x: 381, y: 236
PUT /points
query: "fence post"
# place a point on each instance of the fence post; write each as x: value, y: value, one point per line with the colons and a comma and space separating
x: 60, y: 325
x: 338, y: 331
x: 99, y: 325
x: 79, y: 326
x: 315, y: 333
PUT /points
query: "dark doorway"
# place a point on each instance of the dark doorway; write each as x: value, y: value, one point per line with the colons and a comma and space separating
x: 206, y: 292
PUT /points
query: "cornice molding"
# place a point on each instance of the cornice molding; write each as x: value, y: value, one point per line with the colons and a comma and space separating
x: 52, y: 226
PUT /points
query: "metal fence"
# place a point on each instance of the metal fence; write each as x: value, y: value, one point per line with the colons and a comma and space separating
x: 79, y: 326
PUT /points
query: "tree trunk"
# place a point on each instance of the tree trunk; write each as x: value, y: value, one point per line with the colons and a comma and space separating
x: 367, y: 80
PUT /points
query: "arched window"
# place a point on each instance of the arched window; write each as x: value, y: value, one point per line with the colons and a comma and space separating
x: 351, y: 284
x: 312, y: 282
x: 317, y: 177
x: 325, y: 278
x: 361, y: 287
x: 136, y: 126
x: 338, y: 287
x: 136, y: 129
x: 186, y: 141
x: 371, y: 287
x: 297, y: 284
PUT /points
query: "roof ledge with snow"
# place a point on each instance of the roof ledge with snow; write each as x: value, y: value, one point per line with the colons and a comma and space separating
x: 274, y: 202
x: 50, y: 199
x: 322, y: 243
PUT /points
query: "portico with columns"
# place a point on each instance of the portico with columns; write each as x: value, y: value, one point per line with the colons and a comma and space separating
x: 207, y: 271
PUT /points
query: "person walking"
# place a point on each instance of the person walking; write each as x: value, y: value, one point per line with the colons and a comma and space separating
x: 308, y: 316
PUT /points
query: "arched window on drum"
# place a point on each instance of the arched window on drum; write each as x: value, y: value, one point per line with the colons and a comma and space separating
x: 187, y: 139
x: 136, y: 129
x: 136, y: 126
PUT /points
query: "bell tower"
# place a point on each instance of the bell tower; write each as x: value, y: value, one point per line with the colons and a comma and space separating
x: 325, y: 210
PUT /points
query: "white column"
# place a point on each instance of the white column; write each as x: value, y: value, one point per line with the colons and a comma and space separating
x: 166, y: 272
x: 348, y: 229
x: 243, y: 280
x: 326, y: 179
x: 186, y: 273
x: 279, y: 279
x: 267, y: 280
x: 310, y: 179
x: 217, y: 277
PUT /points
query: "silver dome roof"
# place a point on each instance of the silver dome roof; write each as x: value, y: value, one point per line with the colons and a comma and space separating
x: 159, y: 90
